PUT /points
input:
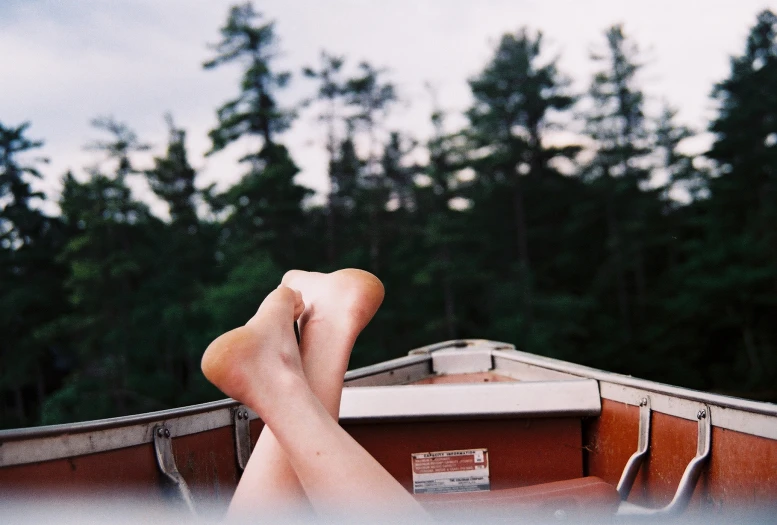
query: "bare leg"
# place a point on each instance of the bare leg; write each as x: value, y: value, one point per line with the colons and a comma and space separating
x: 259, y: 364
x: 337, y: 308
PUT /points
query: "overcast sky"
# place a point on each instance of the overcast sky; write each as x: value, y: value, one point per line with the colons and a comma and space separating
x: 64, y: 63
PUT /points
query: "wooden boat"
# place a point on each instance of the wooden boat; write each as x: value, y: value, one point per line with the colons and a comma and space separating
x: 547, y: 435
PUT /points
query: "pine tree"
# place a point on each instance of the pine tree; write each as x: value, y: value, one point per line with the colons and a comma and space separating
x: 445, y: 261
x: 172, y: 179
x: 746, y: 131
x: 110, y: 255
x: 265, y: 206
x: 255, y: 111
x: 371, y: 98
x: 677, y: 167
x: 346, y: 169
x: 186, y: 265
x: 123, y: 142
x: 730, y: 271
x: 331, y: 92
x: 617, y: 124
x: 30, y: 279
x: 514, y: 96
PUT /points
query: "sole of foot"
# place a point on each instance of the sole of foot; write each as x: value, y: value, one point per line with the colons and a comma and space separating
x: 346, y: 300
x: 246, y: 361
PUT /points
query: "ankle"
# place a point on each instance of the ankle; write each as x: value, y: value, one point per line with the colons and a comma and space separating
x: 270, y: 391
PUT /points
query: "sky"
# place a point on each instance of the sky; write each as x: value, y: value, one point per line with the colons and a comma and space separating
x: 65, y: 63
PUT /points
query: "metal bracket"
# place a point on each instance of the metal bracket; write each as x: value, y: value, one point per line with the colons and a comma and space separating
x: 690, y: 477
x: 163, y: 446
x: 241, y: 424
x: 635, y: 461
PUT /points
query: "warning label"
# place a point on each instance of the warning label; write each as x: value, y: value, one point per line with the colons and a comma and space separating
x: 450, y: 471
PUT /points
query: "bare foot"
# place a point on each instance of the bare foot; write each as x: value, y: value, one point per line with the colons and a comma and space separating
x: 346, y: 299
x: 260, y: 365
x: 338, y: 306
x: 246, y: 363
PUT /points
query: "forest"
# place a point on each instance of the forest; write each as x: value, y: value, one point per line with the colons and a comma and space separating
x: 615, y: 249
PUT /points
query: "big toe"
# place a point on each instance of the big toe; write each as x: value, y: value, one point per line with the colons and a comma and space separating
x: 283, y: 305
x: 299, y: 279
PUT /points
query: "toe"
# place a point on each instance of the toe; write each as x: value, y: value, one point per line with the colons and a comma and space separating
x: 292, y: 277
x: 283, y: 302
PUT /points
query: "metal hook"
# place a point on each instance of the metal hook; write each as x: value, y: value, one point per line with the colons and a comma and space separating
x: 241, y: 422
x: 643, y: 443
x: 690, y: 477
x: 163, y: 447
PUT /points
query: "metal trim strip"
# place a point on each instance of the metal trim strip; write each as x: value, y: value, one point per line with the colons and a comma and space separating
x: 526, y: 372
x: 48, y: 446
x: 462, y: 343
x: 114, y: 422
x: 740, y: 415
x: 640, y: 384
x: 386, y: 366
x: 756, y: 424
x: 407, y: 373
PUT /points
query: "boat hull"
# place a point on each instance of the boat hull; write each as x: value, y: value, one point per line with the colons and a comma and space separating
x: 541, y: 420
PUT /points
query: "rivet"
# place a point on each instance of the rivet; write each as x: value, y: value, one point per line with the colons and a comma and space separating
x: 245, y: 414
x: 167, y: 433
x: 701, y: 414
x: 643, y: 402
x: 239, y: 414
x: 160, y: 432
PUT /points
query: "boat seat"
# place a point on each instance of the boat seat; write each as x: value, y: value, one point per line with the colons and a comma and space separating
x: 574, y: 496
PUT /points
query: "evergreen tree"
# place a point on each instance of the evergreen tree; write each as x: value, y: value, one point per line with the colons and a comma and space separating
x: 347, y: 168
x: 677, y: 167
x: 645, y: 260
x: 729, y: 271
x: 186, y: 265
x: 399, y: 176
x: 331, y: 91
x: 21, y: 224
x: 514, y: 96
x: 445, y: 266
x: 620, y: 168
x: 264, y: 221
x: 264, y: 208
x: 30, y: 279
x: 255, y: 111
x: 371, y: 98
x: 119, y: 147
x: 746, y: 132
x: 110, y: 255
x: 172, y: 179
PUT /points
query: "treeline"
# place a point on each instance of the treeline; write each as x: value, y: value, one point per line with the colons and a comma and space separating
x: 612, y: 248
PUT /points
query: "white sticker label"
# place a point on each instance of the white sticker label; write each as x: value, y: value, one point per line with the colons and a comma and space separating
x: 450, y: 471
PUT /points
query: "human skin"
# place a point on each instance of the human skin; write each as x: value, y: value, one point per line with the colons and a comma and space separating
x: 296, y: 391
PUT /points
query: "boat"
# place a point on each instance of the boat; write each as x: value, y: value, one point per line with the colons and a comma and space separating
x: 462, y: 424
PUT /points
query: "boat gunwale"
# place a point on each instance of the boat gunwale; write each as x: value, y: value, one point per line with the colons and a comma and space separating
x: 15, y: 434
x: 81, y: 427
x: 417, y: 356
x: 719, y: 400
x: 574, y: 398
